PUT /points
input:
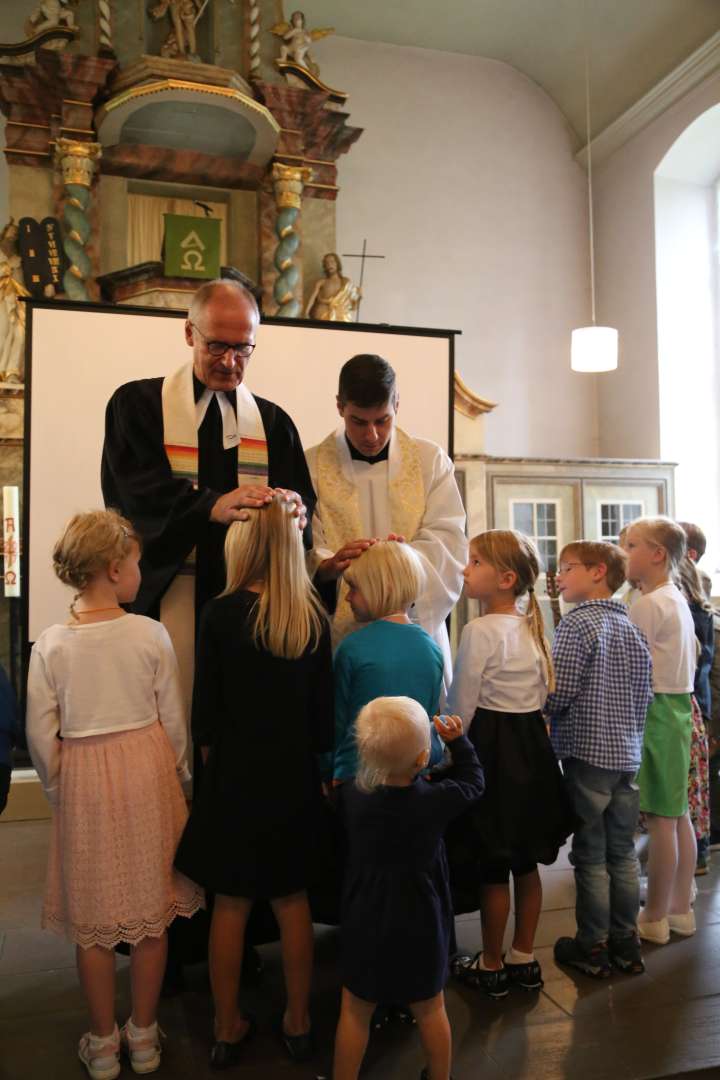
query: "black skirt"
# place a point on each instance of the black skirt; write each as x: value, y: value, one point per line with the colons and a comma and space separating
x: 524, y: 816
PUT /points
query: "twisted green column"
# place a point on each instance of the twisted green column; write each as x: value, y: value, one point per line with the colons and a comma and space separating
x: 288, y: 183
x: 77, y: 161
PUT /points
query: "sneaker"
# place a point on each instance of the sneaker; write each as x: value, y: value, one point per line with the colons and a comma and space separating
x: 656, y: 932
x: 494, y: 984
x: 625, y: 955
x: 594, y: 962
x: 526, y: 976
x: 143, y: 1048
x: 684, y: 925
x: 100, y: 1056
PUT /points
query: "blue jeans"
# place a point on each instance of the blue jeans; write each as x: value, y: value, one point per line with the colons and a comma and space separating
x: 607, y: 806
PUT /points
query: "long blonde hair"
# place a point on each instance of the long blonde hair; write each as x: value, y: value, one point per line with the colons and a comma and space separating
x: 267, y: 549
x: 510, y: 551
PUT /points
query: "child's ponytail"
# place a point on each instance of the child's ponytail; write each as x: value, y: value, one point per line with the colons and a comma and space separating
x: 537, y: 629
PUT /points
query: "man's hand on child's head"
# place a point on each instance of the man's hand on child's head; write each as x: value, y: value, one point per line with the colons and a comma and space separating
x: 448, y: 728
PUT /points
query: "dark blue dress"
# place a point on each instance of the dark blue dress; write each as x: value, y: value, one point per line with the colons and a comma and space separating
x: 397, y: 912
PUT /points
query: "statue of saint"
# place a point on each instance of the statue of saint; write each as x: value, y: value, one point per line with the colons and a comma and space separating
x: 184, y: 15
x: 296, y: 41
x: 12, y: 310
x: 334, y: 298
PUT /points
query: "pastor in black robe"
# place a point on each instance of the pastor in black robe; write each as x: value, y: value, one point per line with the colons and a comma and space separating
x: 172, y: 516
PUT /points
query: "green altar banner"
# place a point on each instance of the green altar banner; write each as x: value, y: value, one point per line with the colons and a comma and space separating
x: 192, y: 246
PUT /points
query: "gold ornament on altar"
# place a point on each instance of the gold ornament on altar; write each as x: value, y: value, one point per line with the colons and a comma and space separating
x: 297, y: 39
x: 77, y: 160
x: 334, y: 298
x: 184, y: 16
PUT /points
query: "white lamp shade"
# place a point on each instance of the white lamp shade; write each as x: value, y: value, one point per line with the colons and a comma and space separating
x: 594, y: 348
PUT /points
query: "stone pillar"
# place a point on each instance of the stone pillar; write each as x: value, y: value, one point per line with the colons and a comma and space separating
x: 288, y: 183
x: 77, y: 161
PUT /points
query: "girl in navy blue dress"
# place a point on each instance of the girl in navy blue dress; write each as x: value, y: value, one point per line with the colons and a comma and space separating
x: 396, y: 885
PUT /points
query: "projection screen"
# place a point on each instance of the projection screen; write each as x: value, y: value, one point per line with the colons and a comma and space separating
x: 78, y: 354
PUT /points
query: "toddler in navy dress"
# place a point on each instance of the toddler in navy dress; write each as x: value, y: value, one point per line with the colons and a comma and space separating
x: 396, y: 885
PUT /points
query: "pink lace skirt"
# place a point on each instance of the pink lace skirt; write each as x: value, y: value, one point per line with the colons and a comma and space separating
x: 119, y: 818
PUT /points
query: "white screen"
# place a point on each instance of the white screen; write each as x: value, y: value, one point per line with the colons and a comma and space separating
x: 80, y: 356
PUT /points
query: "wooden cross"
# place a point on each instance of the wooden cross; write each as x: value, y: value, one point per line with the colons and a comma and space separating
x: 362, y: 256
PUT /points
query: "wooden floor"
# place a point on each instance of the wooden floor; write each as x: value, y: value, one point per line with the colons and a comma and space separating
x: 665, y: 1023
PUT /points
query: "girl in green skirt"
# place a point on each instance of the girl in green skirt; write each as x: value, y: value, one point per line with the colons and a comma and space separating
x: 655, y: 548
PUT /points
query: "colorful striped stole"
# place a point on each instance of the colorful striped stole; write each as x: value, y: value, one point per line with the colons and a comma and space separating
x: 180, y: 435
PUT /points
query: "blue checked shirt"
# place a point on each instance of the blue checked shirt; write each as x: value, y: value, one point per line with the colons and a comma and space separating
x: 604, y: 687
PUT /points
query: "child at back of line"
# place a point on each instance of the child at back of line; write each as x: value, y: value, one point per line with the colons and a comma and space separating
x: 603, y: 674
x: 108, y: 684
x: 397, y: 913
x: 656, y: 547
x: 502, y: 674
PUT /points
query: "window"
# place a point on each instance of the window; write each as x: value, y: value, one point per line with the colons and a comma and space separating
x: 538, y: 520
x: 614, y: 516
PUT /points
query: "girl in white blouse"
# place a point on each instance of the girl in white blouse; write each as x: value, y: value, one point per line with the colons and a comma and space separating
x: 107, y: 734
x: 502, y: 676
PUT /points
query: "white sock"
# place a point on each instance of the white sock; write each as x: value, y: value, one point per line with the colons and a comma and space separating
x: 141, y: 1033
x: 515, y: 957
x: 481, y: 964
x: 98, y: 1041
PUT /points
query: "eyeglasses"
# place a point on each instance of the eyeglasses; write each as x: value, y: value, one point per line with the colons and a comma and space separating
x: 219, y: 348
x: 565, y: 568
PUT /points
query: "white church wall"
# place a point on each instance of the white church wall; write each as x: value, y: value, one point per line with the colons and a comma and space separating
x: 629, y: 399
x: 465, y: 180
x: 687, y: 284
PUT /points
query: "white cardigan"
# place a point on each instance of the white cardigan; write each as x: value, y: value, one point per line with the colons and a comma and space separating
x: 98, y: 678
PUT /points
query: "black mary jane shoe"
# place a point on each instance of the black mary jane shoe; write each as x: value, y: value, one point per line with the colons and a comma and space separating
x: 299, y: 1048
x: 225, y: 1055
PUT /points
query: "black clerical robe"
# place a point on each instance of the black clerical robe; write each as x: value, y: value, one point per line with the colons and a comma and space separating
x: 171, y: 515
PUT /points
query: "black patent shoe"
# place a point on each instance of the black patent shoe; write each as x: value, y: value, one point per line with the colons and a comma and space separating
x: 526, y: 976
x: 225, y: 1055
x: 494, y: 984
x: 299, y: 1048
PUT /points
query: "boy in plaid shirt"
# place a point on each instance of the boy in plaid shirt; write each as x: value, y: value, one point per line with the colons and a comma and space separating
x: 597, y: 716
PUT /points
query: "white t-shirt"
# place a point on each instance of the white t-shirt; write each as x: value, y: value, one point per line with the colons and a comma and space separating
x: 498, y: 667
x: 665, y: 619
x: 97, y: 678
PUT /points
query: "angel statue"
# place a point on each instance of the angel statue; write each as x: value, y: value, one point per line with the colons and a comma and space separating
x: 184, y: 16
x: 334, y: 298
x: 12, y: 309
x: 296, y: 41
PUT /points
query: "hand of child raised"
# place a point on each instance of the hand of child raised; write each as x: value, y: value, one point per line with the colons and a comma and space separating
x: 448, y: 728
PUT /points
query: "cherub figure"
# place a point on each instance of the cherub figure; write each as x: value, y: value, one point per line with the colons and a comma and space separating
x: 50, y: 15
x: 297, y: 39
